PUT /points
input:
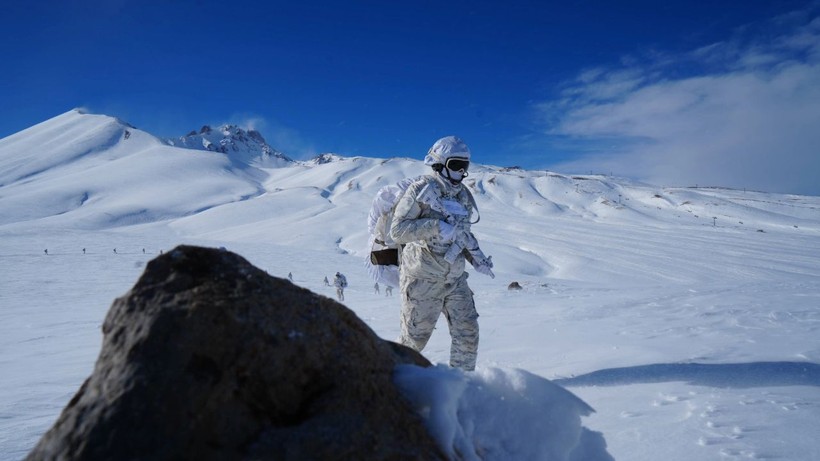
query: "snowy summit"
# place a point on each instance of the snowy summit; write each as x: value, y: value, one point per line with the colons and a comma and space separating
x: 246, y: 146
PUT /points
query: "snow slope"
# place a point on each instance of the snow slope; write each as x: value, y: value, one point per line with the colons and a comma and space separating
x: 686, y: 317
x: 93, y: 171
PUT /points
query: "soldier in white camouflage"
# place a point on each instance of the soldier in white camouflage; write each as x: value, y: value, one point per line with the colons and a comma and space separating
x: 433, y: 213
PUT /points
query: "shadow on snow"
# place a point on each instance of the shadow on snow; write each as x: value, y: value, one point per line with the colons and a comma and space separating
x: 736, y: 375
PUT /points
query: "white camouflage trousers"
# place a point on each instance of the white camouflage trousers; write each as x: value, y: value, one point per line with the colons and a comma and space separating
x: 424, y: 300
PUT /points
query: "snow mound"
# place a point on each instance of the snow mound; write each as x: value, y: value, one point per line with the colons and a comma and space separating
x: 499, y: 414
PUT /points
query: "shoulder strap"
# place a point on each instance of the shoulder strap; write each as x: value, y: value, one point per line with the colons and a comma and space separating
x: 472, y: 202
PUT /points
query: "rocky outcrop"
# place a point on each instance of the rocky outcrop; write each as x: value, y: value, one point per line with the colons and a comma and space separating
x: 208, y: 357
x: 242, y: 147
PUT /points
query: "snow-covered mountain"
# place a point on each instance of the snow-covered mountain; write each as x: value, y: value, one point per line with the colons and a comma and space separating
x: 95, y: 171
x: 87, y: 171
x: 247, y: 147
x: 624, y: 284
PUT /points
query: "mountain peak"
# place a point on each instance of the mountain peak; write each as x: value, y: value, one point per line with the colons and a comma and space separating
x: 248, y: 147
x: 321, y: 159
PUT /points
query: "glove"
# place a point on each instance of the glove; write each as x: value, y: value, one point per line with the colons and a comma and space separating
x: 446, y: 231
x: 484, y: 266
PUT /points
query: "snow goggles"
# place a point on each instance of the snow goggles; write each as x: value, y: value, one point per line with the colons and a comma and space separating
x: 457, y: 164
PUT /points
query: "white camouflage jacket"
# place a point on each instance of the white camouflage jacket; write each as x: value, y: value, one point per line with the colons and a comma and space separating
x: 416, y: 225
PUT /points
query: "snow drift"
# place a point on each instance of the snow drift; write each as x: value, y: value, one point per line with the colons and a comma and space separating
x: 494, y: 414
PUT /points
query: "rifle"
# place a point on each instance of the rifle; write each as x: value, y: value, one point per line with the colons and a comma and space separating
x: 464, y: 239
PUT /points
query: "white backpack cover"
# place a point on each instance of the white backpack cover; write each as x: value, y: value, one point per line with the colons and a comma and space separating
x: 381, y: 260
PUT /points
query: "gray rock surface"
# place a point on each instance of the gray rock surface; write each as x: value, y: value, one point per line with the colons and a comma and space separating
x: 208, y: 357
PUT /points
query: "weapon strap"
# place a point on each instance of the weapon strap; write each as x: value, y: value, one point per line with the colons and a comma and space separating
x: 475, y: 206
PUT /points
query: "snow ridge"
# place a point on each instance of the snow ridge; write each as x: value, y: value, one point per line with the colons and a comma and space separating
x: 248, y: 147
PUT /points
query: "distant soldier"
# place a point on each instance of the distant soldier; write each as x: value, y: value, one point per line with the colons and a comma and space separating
x: 115, y: 250
x: 376, y: 287
x: 327, y: 283
x: 340, y: 282
x: 290, y: 276
x: 388, y: 291
x: 45, y: 251
x: 83, y: 250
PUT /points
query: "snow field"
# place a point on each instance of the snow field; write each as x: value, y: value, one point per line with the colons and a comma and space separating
x: 629, y: 290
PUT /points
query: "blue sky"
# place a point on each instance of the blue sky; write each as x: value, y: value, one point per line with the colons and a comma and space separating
x: 676, y: 93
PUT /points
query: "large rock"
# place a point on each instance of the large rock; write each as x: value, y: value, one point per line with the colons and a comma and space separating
x: 208, y: 357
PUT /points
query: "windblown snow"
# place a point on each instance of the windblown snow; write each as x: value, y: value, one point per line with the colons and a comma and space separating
x: 686, y: 318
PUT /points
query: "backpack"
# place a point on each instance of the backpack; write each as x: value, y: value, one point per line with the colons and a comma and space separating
x: 382, y: 256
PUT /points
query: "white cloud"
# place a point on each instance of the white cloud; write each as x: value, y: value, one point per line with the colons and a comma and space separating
x: 740, y: 113
x: 290, y: 141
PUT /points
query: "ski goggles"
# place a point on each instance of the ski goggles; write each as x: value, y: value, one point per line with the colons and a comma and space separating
x: 457, y: 164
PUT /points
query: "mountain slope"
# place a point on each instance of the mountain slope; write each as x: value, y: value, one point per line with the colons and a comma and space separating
x: 92, y: 171
x: 95, y: 172
x: 687, y: 317
x: 56, y: 144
